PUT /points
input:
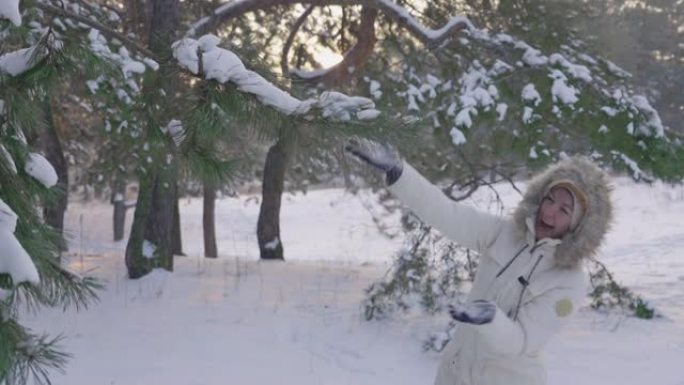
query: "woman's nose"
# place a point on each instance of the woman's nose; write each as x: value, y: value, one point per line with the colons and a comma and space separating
x: 550, y: 214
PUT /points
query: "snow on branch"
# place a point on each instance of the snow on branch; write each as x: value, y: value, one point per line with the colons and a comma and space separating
x: 224, y: 66
x: 129, y: 66
x: 235, y: 8
x: 15, y: 260
x: 426, y: 35
x: 41, y: 169
x: 110, y: 33
x: 17, y: 62
x: 9, y: 9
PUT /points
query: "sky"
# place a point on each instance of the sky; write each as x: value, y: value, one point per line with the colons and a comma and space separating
x: 236, y: 320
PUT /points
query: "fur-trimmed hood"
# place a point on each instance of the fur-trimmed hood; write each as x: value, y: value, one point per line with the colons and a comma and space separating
x: 585, y: 240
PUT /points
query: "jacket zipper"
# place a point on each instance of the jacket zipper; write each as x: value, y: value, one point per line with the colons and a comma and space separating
x: 512, y: 259
x: 525, y: 283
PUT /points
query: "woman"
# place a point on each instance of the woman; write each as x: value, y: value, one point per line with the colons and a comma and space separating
x: 530, y: 278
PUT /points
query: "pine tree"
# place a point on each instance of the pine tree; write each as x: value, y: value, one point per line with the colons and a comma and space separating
x: 502, y: 93
x: 34, y: 62
x: 82, y: 45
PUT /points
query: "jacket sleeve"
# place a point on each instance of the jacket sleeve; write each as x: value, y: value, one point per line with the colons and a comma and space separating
x: 538, y: 320
x: 465, y: 225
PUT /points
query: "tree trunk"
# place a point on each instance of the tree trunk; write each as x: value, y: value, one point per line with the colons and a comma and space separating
x: 268, y: 225
x: 160, y: 223
x: 151, y: 243
x: 138, y: 262
x: 209, y: 221
x: 119, y: 203
x: 136, y: 18
x: 177, y: 238
x: 54, y: 209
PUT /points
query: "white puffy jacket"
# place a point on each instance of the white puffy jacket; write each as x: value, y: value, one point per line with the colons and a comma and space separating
x: 536, y: 285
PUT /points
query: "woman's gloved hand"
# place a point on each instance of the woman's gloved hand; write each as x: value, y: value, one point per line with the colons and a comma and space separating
x: 478, y: 312
x: 382, y: 156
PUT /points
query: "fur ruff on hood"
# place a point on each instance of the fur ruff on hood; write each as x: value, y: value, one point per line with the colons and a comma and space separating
x: 585, y: 240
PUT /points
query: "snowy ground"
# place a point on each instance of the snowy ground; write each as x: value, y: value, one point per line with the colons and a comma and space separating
x: 238, y: 321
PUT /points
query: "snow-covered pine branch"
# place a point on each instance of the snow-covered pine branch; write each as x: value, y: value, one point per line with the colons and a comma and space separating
x: 17, y: 62
x: 224, y: 66
x: 15, y: 260
x: 9, y: 9
x: 235, y: 8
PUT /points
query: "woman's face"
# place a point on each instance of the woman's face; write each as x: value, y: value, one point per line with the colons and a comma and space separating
x: 555, y: 214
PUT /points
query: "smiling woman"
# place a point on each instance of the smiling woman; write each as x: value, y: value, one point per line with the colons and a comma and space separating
x: 530, y: 278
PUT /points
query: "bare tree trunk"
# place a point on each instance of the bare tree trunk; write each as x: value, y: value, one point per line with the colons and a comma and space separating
x: 209, y: 221
x: 177, y: 238
x: 136, y: 18
x: 151, y: 243
x: 54, y: 210
x: 268, y: 225
x: 119, y: 203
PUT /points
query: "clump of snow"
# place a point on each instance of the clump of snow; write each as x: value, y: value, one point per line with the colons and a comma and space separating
x: 463, y: 118
x: 272, y: 245
x: 451, y: 110
x: 175, y: 130
x: 493, y: 91
x: 185, y: 52
x: 433, y: 80
x: 151, y: 63
x: 123, y: 96
x: 15, y: 260
x: 457, y: 137
x: 223, y: 65
x: 616, y: 70
x: 374, y: 89
x: 653, y: 124
x: 533, y: 153
x: 148, y: 249
x: 369, y: 114
x: 603, y: 129
x: 637, y: 174
x: 128, y: 65
x: 19, y: 61
x: 577, y: 71
x: 587, y: 58
x: 561, y: 91
x: 9, y: 9
x: 610, y: 111
x: 530, y: 94
x: 529, y: 116
x: 499, y: 68
x: 501, y: 109
x: 533, y: 57
x: 503, y: 38
x: 40, y: 169
x: 208, y: 42
x: 475, y: 87
x: 630, y: 128
x: 339, y: 106
x: 93, y: 86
